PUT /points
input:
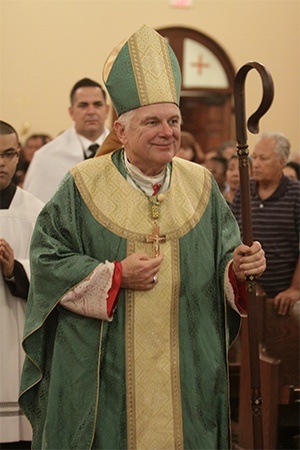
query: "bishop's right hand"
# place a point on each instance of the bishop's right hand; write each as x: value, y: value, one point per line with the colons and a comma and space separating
x: 140, y: 271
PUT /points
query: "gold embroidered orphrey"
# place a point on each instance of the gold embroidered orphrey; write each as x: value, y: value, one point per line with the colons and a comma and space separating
x: 153, y: 394
x: 155, y: 81
x: 155, y: 237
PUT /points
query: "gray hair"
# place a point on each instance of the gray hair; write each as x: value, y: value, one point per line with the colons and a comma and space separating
x: 282, y: 144
x: 127, y: 116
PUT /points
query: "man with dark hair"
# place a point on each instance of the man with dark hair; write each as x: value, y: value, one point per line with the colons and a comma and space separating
x: 18, y: 212
x: 88, y: 110
x: 85, y: 82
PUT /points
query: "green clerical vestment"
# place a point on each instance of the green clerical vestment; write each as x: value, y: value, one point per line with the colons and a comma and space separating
x: 156, y: 376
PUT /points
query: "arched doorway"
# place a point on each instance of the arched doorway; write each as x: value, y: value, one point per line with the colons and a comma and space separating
x: 207, y: 85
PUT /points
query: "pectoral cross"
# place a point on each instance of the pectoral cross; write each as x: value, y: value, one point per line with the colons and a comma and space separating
x: 156, y: 239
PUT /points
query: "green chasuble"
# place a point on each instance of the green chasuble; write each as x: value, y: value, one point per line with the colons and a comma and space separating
x: 156, y: 376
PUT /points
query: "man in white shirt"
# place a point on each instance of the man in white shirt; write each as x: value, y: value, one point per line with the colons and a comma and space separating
x: 89, y: 111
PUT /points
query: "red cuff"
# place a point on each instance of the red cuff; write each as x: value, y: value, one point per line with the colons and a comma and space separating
x: 239, y: 289
x: 111, y: 301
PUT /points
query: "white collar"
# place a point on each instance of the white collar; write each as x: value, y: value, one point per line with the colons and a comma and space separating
x: 85, y: 143
x: 146, y: 182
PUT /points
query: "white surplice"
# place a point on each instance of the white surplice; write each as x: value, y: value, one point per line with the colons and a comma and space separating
x: 16, y: 227
x: 52, y: 161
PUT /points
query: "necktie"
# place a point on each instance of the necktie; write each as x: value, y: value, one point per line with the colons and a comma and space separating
x: 91, y: 151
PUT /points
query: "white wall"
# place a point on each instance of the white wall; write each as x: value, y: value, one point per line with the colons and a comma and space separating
x: 48, y: 45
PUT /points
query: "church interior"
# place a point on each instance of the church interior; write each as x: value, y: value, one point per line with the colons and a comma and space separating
x: 47, y: 45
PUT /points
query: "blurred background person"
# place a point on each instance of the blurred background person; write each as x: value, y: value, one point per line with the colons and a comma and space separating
x: 211, y: 154
x: 292, y: 170
x: 189, y: 148
x: 295, y: 156
x: 232, y: 178
x: 227, y: 149
x: 218, y: 167
x: 32, y: 144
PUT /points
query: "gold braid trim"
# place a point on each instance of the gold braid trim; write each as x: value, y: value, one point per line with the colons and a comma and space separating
x: 152, y: 337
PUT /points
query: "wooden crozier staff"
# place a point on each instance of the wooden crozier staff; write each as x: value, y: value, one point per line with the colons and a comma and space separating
x: 243, y: 152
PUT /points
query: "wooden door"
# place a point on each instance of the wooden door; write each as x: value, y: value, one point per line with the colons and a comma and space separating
x: 207, y: 86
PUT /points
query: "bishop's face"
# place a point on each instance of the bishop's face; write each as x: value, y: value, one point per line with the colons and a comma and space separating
x: 152, y: 136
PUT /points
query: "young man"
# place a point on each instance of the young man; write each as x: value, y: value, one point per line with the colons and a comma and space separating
x: 144, y: 275
x: 89, y: 112
x: 18, y: 213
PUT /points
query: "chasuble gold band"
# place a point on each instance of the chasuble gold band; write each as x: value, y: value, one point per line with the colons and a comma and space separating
x: 152, y: 358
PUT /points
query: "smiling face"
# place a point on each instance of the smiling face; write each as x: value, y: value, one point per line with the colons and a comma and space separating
x: 9, y: 145
x: 89, y: 112
x: 152, y: 136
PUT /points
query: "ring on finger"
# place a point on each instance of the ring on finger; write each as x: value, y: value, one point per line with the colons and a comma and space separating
x: 155, y: 279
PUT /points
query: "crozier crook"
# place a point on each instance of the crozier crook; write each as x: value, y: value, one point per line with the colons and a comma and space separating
x: 243, y: 152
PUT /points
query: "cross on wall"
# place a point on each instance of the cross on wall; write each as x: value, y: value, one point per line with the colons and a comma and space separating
x: 200, y: 65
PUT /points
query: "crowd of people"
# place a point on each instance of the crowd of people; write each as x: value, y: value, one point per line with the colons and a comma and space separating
x: 119, y: 244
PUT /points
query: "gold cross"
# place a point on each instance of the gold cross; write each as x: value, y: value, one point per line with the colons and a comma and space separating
x: 155, y: 238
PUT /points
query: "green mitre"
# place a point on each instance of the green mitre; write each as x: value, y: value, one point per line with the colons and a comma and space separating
x: 141, y: 72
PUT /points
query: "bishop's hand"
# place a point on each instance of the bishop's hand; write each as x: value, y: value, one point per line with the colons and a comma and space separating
x: 140, y: 271
x: 248, y: 261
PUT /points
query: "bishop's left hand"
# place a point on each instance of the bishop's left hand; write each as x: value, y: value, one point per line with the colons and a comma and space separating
x: 248, y: 261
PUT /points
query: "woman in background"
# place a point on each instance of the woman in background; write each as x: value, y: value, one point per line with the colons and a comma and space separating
x: 190, y: 149
x: 292, y: 170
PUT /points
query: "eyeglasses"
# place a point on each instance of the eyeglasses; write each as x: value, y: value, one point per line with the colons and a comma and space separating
x: 9, y: 155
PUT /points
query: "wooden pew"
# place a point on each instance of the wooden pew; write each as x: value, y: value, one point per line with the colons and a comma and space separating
x: 279, y: 366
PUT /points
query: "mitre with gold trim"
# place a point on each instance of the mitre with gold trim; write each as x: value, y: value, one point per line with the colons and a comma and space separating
x: 142, y: 71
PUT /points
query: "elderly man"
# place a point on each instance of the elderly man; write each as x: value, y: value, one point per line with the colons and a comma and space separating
x: 127, y: 339
x: 50, y: 163
x: 275, y: 201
